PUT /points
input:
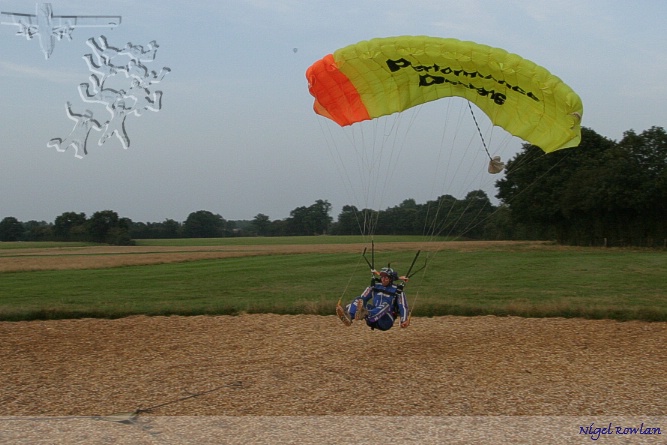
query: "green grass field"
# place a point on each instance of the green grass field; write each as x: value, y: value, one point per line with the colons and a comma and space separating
x: 530, y: 281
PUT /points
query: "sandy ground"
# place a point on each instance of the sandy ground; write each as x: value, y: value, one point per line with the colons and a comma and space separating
x: 268, y: 379
x: 314, y: 365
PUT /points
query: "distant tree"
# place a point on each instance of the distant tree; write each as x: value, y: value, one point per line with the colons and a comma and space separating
x: 203, y: 224
x: 171, y: 228
x: 298, y: 222
x: 399, y: 220
x: 440, y: 216
x: 477, y: 209
x: 37, y: 231
x: 106, y: 227
x: 348, y: 222
x: 649, y: 150
x: 230, y: 229
x: 100, y: 223
x: 312, y: 220
x: 320, y: 218
x: 69, y: 226
x: 119, y: 236
x: 262, y: 224
x: 79, y: 233
x: 140, y: 230
x: 10, y: 229
x: 499, y: 225
x: 278, y: 228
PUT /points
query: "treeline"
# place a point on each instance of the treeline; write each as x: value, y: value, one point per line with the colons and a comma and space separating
x: 601, y: 193
x: 107, y: 227
x: 466, y: 217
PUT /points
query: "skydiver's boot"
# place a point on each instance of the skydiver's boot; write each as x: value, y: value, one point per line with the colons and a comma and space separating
x: 362, y: 312
x: 343, y: 315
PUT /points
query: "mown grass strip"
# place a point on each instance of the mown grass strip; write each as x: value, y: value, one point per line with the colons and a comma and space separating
x: 589, y: 283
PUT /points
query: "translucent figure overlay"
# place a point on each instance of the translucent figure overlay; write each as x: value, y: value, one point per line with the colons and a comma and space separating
x: 122, y: 83
x: 48, y: 27
x: 78, y: 137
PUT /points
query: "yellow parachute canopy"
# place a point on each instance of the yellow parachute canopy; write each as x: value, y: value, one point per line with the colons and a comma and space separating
x: 382, y: 76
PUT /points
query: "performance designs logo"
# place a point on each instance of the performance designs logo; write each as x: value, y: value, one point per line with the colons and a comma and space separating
x: 437, y: 75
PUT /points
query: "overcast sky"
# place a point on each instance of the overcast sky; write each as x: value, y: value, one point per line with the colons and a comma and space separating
x: 236, y: 134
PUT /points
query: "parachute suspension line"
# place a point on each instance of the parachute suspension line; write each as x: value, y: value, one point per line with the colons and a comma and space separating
x: 440, y: 224
x: 525, y: 164
x: 390, y: 138
x: 364, y: 220
x: 379, y: 153
x: 495, y: 164
x: 347, y: 285
x: 438, y: 218
x: 529, y: 187
x: 480, y: 132
x: 428, y: 230
x: 409, y: 274
x: 364, y: 146
x: 376, y: 145
x: 423, y: 270
x: 336, y: 156
x: 533, y: 183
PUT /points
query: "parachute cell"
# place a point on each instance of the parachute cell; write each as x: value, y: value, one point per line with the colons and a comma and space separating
x: 383, y: 76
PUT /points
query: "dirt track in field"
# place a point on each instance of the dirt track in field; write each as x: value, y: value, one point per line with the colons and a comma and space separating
x: 313, y: 365
x: 110, y: 256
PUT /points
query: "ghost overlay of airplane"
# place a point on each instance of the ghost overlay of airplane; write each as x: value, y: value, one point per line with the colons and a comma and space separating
x: 48, y: 27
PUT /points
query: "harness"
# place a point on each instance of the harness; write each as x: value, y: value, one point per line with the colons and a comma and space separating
x: 391, y: 292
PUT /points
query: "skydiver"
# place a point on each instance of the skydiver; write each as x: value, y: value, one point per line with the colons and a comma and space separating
x: 138, y: 71
x: 105, y: 70
x: 116, y: 125
x: 103, y: 52
x: 144, y: 98
x: 105, y: 96
x: 137, y: 53
x: 379, y: 304
x: 78, y: 137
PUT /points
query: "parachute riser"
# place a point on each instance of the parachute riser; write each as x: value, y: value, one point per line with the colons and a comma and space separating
x: 410, y: 273
x: 375, y: 273
x: 414, y: 260
x: 371, y: 263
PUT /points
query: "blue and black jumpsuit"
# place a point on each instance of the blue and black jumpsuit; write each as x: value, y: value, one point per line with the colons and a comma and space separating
x: 384, y: 304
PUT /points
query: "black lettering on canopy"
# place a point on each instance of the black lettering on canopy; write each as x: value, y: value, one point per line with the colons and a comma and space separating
x: 426, y: 80
x: 395, y: 65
